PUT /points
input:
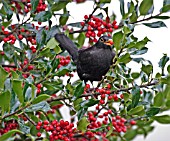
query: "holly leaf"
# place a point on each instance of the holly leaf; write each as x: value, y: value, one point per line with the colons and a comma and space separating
x: 82, y: 124
x: 164, y: 119
x: 130, y: 134
x: 17, y: 87
x: 122, y: 10
x: 9, y: 134
x: 78, y: 91
x: 34, y: 4
x: 40, y: 98
x: 152, y: 111
x: 125, y: 58
x: 158, y: 100
x: 136, y: 110
x: 5, y: 99
x: 157, y: 24
x: 41, y: 106
x: 3, y: 75
x: 145, y: 6
x: 135, y: 96
x: 43, y: 16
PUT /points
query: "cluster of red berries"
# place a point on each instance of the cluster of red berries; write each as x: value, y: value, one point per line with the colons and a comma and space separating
x: 117, y: 122
x: 63, y: 60
x: 27, y: 6
x: 62, y: 130
x: 97, y: 27
x: 104, y: 93
x: 10, y: 125
x: 10, y: 37
x: 39, y: 86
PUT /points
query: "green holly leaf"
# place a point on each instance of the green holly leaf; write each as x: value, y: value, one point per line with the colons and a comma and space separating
x: 40, y: 98
x: 135, y: 96
x: 164, y: 119
x: 152, y: 111
x: 43, y: 16
x: 82, y: 124
x: 78, y: 91
x: 34, y: 4
x: 137, y: 110
x: 157, y: 24
x: 4, y: 76
x: 158, y: 100
x: 5, y: 99
x: 9, y: 134
x: 145, y: 6
x: 17, y: 87
x: 125, y: 58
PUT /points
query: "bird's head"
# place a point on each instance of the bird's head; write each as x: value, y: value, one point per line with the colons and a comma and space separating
x: 106, y: 40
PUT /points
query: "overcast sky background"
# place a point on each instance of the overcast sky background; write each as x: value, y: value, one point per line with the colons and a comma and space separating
x: 160, y: 44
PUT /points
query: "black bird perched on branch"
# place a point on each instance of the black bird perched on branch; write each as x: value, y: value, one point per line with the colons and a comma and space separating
x: 93, y: 62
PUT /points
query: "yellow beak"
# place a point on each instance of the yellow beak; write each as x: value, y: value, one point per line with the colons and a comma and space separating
x: 109, y: 42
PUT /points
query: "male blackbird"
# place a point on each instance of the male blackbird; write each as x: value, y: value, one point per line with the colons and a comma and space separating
x: 93, y: 62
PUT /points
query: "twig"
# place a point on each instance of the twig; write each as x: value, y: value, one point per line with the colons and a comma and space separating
x: 17, y: 111
x: 30, y: 120
x: 149, y: 18
x: 112, y: 92
x: 9, y: 66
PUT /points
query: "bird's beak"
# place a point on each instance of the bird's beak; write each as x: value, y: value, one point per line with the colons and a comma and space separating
x: 109, y: 42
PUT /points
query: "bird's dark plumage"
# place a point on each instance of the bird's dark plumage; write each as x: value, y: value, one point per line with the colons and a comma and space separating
x: 93, y: 62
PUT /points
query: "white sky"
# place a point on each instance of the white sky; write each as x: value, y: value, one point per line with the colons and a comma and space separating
x: 160, y: 44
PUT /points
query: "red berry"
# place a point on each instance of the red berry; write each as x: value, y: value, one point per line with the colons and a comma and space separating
x: 39, y: 86
x: 30, y: 67
x: 87, y: 86
x: 12, y: 42
x: 34, y: 50
x: 115, y: 26
x: 103, y: 96
x: 39, y: 23
x: 121, y: 96
x: 2, y: 27
x: 132, y: 122
x: 102, y: 101
x: 38, y: 134
x: 114, y: 22
x: 46, y: 122
x: 141, y: 92
x: 85, y: 16
x: 22, y: 29
x: 109, y: 97
x: 25, y: 62
x: 115, y: 97
x: 6, y: 40
x: 6, y: 32
x: 82, y: 23
x: 38, y: 127
x: 109, y: 86
x: 38, y: 91
x: 39, y: 123
x: 118, y: 117
x: 108, y: 92
x: 2, y: 53
x: 20, y: 36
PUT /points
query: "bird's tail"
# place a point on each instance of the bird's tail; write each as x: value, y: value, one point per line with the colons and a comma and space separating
x: 67, y: 44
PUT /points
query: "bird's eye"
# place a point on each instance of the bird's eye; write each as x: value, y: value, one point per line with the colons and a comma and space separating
x: 102, y: 40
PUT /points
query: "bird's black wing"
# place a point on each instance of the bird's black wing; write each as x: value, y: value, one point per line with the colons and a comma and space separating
x: 67, y: 44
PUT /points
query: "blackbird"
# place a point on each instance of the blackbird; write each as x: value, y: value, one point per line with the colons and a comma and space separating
x: 93, y: 62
